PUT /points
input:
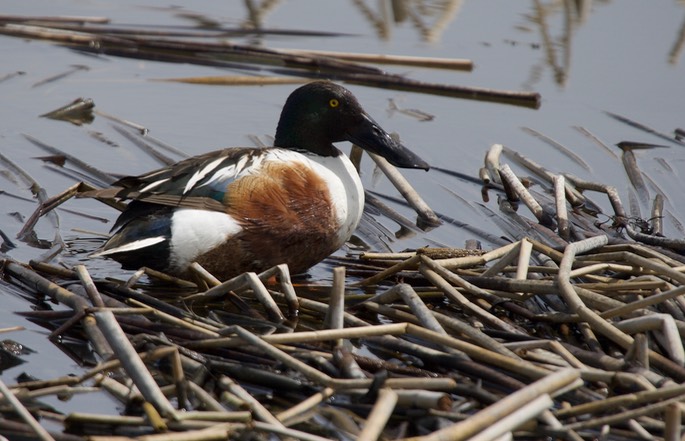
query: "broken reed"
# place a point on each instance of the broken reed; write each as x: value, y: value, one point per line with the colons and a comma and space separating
x: 474, y: 342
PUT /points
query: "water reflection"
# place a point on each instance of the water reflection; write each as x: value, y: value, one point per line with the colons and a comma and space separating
x: 430, y: 18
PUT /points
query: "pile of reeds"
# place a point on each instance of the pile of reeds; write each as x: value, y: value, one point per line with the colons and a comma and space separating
x: 571, y: 332
x: 585, y: 344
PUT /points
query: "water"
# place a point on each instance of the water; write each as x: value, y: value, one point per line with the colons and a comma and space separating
x: 614, y: 56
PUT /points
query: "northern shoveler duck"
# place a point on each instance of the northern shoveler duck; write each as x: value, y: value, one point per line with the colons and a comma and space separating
x: 248, y: 209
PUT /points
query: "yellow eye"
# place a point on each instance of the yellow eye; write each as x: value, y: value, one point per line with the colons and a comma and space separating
x: 333, y: 103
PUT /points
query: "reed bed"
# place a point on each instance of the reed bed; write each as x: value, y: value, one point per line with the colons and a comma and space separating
x: 573, y: 337
x: 572, y: 329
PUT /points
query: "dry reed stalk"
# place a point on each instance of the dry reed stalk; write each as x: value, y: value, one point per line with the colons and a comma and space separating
x: 423, y: 399
x: 673, y: 417
x: 335, y: 316
x: 560, y: 204
x: 626, y: 415
x: 524, y: 259
x: 132, y: 363
x: 620, y: 401
x: 552, y: 345
x: 473, y: 334
x: 61, y: 295
x: 258, y: 410
x: 204, y: 275
x: 491, y: 162
x: 215, y: 433
x: 208, y: 401
x: 515, y: 419
x: 89, y: 286
x: 64, y: 390
x: 452, y: 277
x: 515, y: 183
x: 187, y: 323
x: 290, y: 361
x: 286, y: 432
x: 663, y: 325
x: 505, y: 260
x: 572, y: 299
x: 427, y: 384
x: 386, y: 256
x: 409, y: 263
x: 402, y: 60
x: 283, y: 274
x: 379, y: 415
x: 418, y: 308
x: 426, y: 214
x: 507, y: 405
x: 300, y: 408
x: 629, y: 308
x: 117, y: 390
x: 520, y: 367
x: 656, y: 216
x: 574, y: 197
x: 219, y: 416
x: 454, y: 295
x: 233, y: 80
x: 23, y: 413
x: 312, y: 336
x: 262, y: 294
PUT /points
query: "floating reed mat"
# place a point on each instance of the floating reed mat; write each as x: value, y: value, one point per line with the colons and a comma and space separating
x: 481, y: 345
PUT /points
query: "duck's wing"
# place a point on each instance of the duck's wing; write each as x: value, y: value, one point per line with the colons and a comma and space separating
x: 199, y: 182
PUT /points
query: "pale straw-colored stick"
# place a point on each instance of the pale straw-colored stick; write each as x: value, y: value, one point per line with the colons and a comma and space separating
x: 404, y: 187
x: 524, y: 260
x: 335, y: 317
x: 379, y: 415
x: 491, y: 162
x: 665, y: 329
x: 478, y: 353
x: 89, y: 286
x: 673, y: 430
x: 453, y: 294
x: 504, y: 261
x: 283, y: 273
x: 569, y: 294
x: 289, y: 414
x: 402, y: 60
x: 418, y: 308
x: 643, y: 303
x: 534, y: 206
x: 515, y: 419
x: 495, y: 412
x: 262, y: 294
x: 131, y: 362
x: 625, y: 416
x: 409, y: 263
x: 25, y: 415
x: 560, y: 202
x: 259, y: 411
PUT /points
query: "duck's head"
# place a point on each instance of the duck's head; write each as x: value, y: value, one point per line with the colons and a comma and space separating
x: 321, y: 113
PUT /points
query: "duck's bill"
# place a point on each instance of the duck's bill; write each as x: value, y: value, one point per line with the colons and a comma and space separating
x: 368, y: 135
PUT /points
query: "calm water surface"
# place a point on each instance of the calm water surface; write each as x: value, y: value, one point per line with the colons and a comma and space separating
x: 623, y: 57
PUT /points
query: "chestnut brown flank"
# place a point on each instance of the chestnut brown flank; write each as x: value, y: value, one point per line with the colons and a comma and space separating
x: 286, y: 215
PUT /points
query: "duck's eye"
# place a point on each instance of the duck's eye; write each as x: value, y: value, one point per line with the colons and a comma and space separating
x: 334, y: 103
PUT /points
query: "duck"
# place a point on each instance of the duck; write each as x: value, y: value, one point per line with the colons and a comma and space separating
x: 247, y: 209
